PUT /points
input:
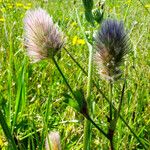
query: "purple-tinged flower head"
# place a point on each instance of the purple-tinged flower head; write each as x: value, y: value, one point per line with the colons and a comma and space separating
x: 42, y: 37
x: 111, y: 47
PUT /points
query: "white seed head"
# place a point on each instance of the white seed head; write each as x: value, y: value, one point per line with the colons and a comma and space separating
x: 42, y: 38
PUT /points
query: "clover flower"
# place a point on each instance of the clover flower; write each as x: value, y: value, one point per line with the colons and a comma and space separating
x: 42, y: 37
x: 111, y: 47
x: 53, y: 141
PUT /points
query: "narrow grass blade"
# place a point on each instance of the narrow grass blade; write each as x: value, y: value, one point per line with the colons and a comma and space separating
x: 7, y: 132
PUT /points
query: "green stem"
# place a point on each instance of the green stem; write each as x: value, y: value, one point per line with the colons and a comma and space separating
x: 110, y: 99
x: 10, y: 80
x: 45, y: 128
x: 111, y: 130
x: 7, y: 132
x: 121, y: 100
x: 57, y: 66
x: 103, y: 132
x: 76, y: 62
x: 87, y: 124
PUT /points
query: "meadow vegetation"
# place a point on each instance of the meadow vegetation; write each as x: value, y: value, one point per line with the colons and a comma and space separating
x: 34, y: 96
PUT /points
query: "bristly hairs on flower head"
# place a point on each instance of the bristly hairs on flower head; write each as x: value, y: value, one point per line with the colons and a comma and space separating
x: 42, y: 37
x: 53, y: 141
x: 112, y: 44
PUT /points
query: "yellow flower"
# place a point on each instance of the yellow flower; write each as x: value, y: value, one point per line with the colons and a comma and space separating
x: 74, y: 41
x: 73, y: 24
x: 26, y: 7
x: 81, y: 41
x: 147, y: 6
x: 2, y: 19
x: 19, y: 5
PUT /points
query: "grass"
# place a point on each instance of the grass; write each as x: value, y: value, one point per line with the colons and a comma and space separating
x: 31, y: 95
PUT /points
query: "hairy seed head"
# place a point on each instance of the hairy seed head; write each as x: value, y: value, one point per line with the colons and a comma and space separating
x: 53, y: 141
x: 42, y: 37
x: 111, y: 47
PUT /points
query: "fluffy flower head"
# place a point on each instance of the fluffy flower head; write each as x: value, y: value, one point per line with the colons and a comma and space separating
x: 53, y: 141
x: 42, y: 37
x: 111, y: 47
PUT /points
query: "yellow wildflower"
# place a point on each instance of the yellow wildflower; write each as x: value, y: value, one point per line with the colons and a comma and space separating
x: 81, y: 41
x: 74, y: 41
x: 147, y: 6
x: 19, y: 5
x: 73, y: 24
x: 26, y: 7
x: 2, y: 19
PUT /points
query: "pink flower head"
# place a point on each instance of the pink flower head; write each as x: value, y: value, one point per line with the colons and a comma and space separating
x: 112, y: 44
x: 42, y: 37
x: 53, y: 141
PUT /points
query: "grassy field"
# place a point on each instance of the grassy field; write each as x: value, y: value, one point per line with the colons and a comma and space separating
x: 32, y: 94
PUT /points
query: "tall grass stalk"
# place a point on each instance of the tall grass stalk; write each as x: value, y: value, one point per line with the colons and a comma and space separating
x: 20, y: 97
x: 8, y: 112
x: 7, y: 132
x: 45, y: 128
x: 87, y: 124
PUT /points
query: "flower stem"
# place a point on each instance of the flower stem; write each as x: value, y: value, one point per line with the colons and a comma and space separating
x: 57, y: 66
x: 103, y: 132
x: 111, y: 130
x: 110, y: 99
x: 76, y: 61
x: 87, y: 125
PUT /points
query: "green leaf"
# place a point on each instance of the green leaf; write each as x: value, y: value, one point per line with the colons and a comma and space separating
x: 71, y: 102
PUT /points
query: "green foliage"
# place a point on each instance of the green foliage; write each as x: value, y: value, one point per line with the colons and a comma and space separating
x: 31, y: 99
